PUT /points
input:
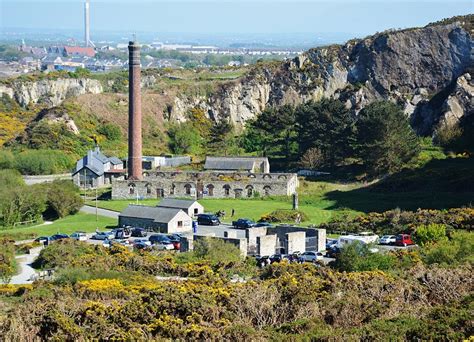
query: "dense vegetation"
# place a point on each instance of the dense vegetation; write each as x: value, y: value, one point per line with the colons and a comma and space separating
x: 21, y: 204
x: 325, y: 134
x: 112, y: 293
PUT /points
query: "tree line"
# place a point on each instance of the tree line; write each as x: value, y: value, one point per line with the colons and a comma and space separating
x: 22, y: 203
x: 326, y: 134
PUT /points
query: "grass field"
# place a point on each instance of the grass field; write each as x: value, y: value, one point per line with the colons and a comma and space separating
x: 312, y: 202
x: 67, y: 225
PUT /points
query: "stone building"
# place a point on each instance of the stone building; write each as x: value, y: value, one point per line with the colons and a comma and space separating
x: 163, y: 220
x: 199, y: 185
x: 95, y: 170
x: 238, y: 164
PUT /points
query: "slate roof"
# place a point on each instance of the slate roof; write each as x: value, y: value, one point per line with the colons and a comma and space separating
x: 115, y: 161
x: 228, y: 163
x: 157, y: 214
x: 175, y: 203
x: 95, y: 161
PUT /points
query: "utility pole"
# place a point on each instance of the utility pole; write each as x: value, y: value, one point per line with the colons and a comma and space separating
x: 96, y: 210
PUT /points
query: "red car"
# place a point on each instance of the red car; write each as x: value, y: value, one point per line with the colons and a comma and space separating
x: 404, y: 240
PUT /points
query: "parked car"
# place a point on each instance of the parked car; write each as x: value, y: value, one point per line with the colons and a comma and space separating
x: 139, y: 232
x: 263, y: 224
x: 388, y: 240
x: 176, y: 240
x: 208, y: 220
x: 43, y: 239
x: 79, y: 236
x: 142, y: 245
x: 279, y: 258
x: 333, y: 252
x: 161, y: 241
x: 122, y: 233
x: 243, y: 224
x: 144, y: 241
x: 310, y: 257
x: 57, y: 237
x: 330, y: 243
x: 103, y: 236
x: 262, y: 260
x: 404, y: 240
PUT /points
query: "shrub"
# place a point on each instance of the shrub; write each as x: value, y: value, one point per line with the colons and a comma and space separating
x: 457, y: 250
x: 284, y: 216
x: 62, y: 198
x: 357, y: 257
x: 8, y: 266
x: 217, y: 251
x: 430, y: 233
x: 110, y: 131
x: 42, y: 162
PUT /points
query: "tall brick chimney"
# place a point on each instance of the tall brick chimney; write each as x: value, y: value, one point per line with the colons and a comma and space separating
x: 134, y: 113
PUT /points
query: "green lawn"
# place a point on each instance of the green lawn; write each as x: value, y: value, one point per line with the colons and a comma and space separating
x: 67, y: 225
x: 312, y: 202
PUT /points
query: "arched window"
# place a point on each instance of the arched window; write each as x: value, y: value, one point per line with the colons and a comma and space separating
x: 173, y: 187
x: 148, y: 188
x: 251, y: 175
x: 131, y: 188
x: 226, y: 190
x: 160, y: 174
x: 146, y: 174
x: 282, y: 177
x: 188, y: 188
x: 210, y: 190
x: 267, y: 175
x: 237, y: 176
x: 267, y: 189
x: 238, y: 193
x: 249, y: 189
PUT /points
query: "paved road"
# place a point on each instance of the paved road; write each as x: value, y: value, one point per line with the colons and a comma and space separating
x: 102, y: 212
x: 27, y: 273
x: 30, y: 180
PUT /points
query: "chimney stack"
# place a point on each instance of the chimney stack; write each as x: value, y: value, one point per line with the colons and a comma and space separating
x: 134, y: 113
x: 87, y: 37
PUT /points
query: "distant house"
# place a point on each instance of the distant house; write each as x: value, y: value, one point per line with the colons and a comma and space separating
x: 249, y: 164
x: 95, y: 169
x: 159, y: 219
x: 73, y: 51
x: 190, y: 207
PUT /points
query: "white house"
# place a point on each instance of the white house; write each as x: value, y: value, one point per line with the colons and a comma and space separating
x: 159, y: 219
x: 190, y: 207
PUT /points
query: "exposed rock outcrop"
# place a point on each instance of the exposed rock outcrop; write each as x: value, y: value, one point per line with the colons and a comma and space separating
x: 50, y: 92
x: 411, y: 67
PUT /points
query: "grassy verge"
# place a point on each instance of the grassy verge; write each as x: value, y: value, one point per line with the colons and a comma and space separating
x: 67, y: 225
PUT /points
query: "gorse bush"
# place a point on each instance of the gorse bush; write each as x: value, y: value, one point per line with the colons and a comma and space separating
x: 430, y: 233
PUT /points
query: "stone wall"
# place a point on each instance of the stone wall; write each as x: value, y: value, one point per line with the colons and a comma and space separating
x: 206, y: 185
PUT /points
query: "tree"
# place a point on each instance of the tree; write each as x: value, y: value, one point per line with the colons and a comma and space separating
x: 272, y: 133
x: 221, y: 138
x: 357, y: 257
x: 385, y: 140
x: 312, y: 159
x: 327, y: 125
x: 184, y: 138
x: 63, y: 198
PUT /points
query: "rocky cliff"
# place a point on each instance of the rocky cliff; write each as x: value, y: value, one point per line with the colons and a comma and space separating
x: 411, y: 67
x: 51, y: 92
x: 425, y: 70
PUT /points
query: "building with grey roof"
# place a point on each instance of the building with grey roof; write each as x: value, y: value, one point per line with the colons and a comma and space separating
x: 96, y: 169
x: 249, y: 164
x: 159, y: 219
x: 190, y: 207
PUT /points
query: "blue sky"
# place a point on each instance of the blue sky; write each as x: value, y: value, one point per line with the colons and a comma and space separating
x: 358, y: 17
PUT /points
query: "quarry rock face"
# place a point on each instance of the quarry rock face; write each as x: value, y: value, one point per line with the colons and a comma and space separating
x: 427, y: 71
x: 50, y: 92
x: 410, y: 67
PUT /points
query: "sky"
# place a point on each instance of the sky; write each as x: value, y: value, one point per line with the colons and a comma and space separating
x: 358, y: 17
